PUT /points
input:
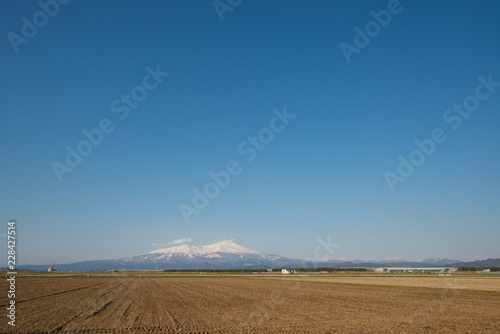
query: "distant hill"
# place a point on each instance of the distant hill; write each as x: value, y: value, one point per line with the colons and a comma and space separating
x: 229, y: 255
x: 441, y: 262
x: 479, y: 263
x: 221, y: 255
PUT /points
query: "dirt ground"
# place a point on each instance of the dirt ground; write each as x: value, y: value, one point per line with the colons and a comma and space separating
x: 242, y: 305
x: 491, y: 283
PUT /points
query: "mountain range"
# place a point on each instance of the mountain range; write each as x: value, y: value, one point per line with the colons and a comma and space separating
x: 229, y: 255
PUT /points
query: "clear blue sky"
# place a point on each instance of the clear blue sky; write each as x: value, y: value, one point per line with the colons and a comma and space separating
x: 322, y: 175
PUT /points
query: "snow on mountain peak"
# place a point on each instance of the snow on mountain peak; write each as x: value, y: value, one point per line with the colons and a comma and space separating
x: 226, y: 246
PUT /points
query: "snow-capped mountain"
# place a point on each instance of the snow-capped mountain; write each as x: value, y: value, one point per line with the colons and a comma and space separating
x: 224, y: 254
x: 230, y: 255
x: 215, y: 250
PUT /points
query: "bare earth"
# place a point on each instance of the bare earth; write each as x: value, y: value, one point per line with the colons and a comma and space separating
x: 243, y: 305
x: 451, y: 282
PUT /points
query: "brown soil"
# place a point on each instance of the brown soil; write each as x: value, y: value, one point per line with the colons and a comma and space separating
x: 242, y: 305
x: 451, y: 282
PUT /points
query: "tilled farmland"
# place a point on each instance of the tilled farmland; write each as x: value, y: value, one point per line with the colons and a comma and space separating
x: 243, y: 305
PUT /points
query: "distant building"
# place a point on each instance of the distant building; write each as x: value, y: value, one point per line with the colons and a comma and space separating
x: 286, y: 271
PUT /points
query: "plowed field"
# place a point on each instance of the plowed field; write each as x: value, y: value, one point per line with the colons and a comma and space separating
x: 242, y: 305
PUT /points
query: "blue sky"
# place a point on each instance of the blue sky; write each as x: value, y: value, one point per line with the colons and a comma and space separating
x: 322, y: 175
